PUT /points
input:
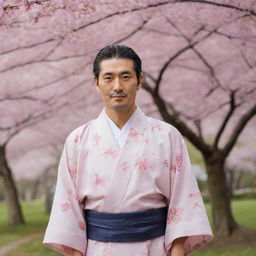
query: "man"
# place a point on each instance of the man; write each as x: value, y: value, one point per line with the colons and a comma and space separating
x: 125, y: 185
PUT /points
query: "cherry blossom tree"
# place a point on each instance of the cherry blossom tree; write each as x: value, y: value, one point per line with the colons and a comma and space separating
x: 198, y: 61
x: 27, y: 107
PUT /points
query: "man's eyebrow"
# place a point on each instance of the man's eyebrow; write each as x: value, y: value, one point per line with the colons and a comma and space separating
x: 122, y: 73
x: 126, y: 72
x: 108, y: 73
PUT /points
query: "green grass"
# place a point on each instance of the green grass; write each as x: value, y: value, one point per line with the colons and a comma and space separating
x: 245, y: 213
x: 35, y: 218
x: 34, y: 248
x: 243, y: 210
x: 227, y: 252
x: 36, y: 221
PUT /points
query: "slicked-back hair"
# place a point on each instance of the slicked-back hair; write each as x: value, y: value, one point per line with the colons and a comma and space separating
x: 117, y: 51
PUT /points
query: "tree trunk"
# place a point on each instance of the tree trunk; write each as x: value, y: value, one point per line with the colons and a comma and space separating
x: 230, y: 177
x: 223, y: 220
x: 10, y: 192
x: 239, y: 179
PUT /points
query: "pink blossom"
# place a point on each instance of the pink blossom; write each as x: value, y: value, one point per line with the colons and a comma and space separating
x: 165, y: 163
x: 65, y: 206
x: 174, y: 169
x: 134, y: 133
x: 124, y: 166
x: 178, y: 160
x: 175, y: 214
x: 97, y: 181
x: 196, y: 205
x: 156, y: 127
x: 81, y: 225
x: 110, y: 153
x: 77, y: 138
x: 73, y: 171
x: 191, y: 195
x: 71, y: 193
x: 96, y: 138
x: 143, y: 164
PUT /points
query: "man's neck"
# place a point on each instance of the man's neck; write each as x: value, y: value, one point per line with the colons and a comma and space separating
x: 120, y: 117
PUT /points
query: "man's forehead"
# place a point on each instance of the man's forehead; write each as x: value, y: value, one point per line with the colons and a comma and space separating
x: 116, y: 65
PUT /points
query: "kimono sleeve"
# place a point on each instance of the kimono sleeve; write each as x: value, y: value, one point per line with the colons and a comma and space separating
x: 186, y: 213
x: 66, y: 227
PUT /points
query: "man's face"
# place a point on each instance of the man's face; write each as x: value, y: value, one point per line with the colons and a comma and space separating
x: 118, y: 83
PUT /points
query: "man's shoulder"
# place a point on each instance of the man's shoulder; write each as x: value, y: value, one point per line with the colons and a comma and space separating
x: 78, y: 132
x: 159, y: 124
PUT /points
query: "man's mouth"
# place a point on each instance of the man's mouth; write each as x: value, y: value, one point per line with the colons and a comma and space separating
x: 118, y: 96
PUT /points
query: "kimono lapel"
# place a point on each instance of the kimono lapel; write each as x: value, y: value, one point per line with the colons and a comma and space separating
x: 105, y: 134
x: 123, y: 168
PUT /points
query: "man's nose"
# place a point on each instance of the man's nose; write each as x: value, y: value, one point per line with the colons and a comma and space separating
x: 117, y: 85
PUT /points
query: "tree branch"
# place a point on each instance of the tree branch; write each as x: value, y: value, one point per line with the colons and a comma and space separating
x: 175, y: 121
x: 232, y: 107
x: 177, y: 54
x: 238, y: 129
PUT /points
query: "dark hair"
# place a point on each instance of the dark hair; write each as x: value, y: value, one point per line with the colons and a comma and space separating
x: 117, y: 51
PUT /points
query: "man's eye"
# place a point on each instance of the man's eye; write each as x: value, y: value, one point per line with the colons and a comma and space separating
x: 126, y: 77
x: 107, y: 78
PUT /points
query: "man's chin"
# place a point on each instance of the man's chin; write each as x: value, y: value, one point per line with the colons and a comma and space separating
x: 120, y: 106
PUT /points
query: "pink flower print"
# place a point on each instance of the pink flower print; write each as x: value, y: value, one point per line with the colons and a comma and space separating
x: 81, y: 225
x: 143, y: 164
x: 174, y: 215
x: 178, y: 160
x: 65, y: 206
x: 196, y: 205
x: 146, y: 141
x: 174, y: 169
x: 110, y: 153
x: 134, y: 133
x: 191, y: 195
x: 156, y: 127
x: 72, y: 193
x: 72, y: 171
x: 165, y: 163
x: 77, y: 139
x: 96, y: 138
x: 97, y: 181
x: 124, y: 166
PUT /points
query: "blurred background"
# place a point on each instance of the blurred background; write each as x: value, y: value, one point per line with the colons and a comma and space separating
x: 199, y: 64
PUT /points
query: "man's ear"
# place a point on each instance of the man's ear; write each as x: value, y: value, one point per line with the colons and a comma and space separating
x: 140, y: 82
x: 95, y: 81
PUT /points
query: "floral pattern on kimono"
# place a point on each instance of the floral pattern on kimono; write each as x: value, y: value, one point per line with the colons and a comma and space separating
x: 186, y: 215
x: 152, y: 170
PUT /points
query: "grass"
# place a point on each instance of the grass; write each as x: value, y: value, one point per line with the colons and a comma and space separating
x: 36, y: 219
x: 227, y: 252
x: 244, y: 212
x: 34, y: 248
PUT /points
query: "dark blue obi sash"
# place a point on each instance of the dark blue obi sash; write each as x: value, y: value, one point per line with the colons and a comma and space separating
x: 126, y: 226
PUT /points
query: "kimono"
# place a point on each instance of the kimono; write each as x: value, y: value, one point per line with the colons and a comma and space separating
x: 151, y: 170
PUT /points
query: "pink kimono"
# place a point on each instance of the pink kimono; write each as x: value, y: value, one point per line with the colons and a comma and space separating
x: 152, y: 170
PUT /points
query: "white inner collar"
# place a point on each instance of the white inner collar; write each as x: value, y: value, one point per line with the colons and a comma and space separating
x: 120, y: 134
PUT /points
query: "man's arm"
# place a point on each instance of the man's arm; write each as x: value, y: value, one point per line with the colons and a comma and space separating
x: 178, y: 247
